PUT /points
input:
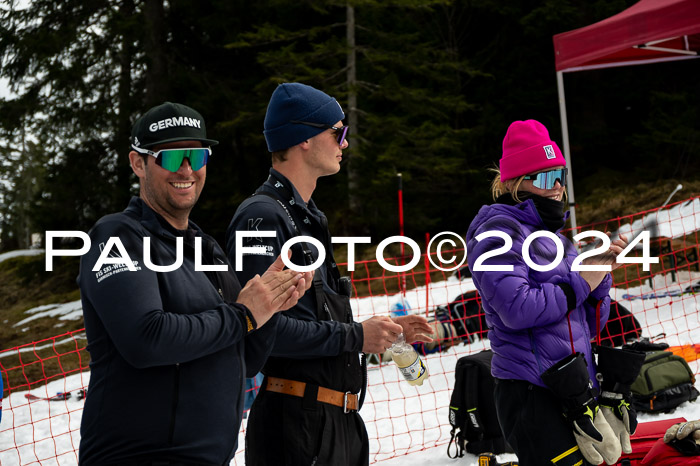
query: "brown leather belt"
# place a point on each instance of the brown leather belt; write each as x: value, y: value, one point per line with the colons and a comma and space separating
x: 347, y: 401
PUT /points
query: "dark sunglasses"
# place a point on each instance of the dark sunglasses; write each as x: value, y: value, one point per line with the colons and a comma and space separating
x: 340, y: 132
x: 547, y: 180
x: 171, y: 159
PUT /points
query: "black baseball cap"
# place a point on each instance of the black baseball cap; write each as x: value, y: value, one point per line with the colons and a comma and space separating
x: 169, y: 122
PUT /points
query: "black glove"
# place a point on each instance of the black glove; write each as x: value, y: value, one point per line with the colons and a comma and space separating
x: 569, y: 381
x: 684, y: 437
x: 617, y: 370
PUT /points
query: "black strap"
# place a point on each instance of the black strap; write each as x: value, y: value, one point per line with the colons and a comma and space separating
x: 459, y: 448
x: 285, y: 196
x: 363, y: 368
x: 281, y: 203
x: 322, y: 310
x: 471, y: 402
x: 473, y: 415
x: 283, y: 193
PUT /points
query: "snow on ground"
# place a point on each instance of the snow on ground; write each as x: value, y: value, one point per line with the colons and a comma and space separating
x: 67, y: 311
x: 20, y: 252
x: 673, y: 316
x: 438, y: 293
x: 46, y: 433
x: 677, y: 221
x: 49, y: 344
x: 405, y: 422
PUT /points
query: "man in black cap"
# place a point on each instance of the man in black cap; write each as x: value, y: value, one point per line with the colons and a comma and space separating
x: 306, y: 411
x: 171, y: 334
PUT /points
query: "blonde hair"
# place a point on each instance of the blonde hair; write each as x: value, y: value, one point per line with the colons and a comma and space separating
x: 499, y: 187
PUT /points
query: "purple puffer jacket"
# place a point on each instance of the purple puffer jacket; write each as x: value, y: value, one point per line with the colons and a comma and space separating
x: 526, y: 310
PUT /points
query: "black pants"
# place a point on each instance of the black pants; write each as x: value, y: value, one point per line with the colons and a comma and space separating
x: 533, y: 423
x: 285, y: 430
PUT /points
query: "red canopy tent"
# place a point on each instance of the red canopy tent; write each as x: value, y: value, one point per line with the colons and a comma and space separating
x: 649, y: 31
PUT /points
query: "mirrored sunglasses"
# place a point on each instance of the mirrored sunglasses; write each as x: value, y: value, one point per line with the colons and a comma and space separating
x: 171, y: 159
x: 547, y: 180
x: 340, y: 131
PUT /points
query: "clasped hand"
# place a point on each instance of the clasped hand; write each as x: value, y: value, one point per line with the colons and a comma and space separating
x: 276, y: 290
x: 593, y: 278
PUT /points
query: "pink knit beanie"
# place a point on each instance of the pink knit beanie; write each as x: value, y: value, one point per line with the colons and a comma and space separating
x: 528, y: 149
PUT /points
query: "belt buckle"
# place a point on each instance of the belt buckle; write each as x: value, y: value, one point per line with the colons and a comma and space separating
x: 345, y: 404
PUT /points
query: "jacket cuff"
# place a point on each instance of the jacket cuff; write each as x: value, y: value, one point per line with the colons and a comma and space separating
x: 354, y: 338
x: 250, y: 322
x: 603, y: 289
x: 570, y: 296
x: 575, y: 288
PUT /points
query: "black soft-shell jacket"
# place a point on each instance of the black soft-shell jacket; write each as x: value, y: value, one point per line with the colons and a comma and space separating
x: 307, y: 348
x: 169, y: 350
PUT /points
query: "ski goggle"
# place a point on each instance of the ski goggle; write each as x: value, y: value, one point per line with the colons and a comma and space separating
x: 340, y: 132
x: 171, y: 159
x: 547, y: 180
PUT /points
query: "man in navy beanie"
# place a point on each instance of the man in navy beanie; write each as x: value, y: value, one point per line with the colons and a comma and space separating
x: 307, y: 408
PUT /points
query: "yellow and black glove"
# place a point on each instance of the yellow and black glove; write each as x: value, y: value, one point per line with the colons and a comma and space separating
x: 569, y: 381
x: 617, y: 370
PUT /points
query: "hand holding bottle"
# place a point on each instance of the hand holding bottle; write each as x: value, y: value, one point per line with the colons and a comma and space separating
x: 409, y: 362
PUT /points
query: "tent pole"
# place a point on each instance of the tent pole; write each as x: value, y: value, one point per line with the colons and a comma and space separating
x: 567, y: 153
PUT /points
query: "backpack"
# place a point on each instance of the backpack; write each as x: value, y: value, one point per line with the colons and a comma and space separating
x: 475, y: 426
x: 622, y: 327
x: 664, y: 382
x: 466, y: 315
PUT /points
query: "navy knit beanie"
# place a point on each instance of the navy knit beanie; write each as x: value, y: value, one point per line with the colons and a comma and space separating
x: 296, y: 101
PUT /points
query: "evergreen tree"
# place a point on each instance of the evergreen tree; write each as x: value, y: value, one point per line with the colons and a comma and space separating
x: 429, y: 87
x: 406, y: 84
x: 23, y: 170
x: 76, y: 76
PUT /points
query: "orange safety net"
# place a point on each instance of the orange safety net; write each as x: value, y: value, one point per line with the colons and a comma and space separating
x: 661, y: 303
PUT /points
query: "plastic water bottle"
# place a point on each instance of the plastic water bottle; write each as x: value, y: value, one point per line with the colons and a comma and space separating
x: 409, y: 362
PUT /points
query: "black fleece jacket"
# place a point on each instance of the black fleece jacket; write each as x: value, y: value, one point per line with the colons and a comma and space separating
x: 169, y: 350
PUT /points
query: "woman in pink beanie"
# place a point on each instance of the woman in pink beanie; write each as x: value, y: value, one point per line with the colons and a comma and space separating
x: 542, y: 315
